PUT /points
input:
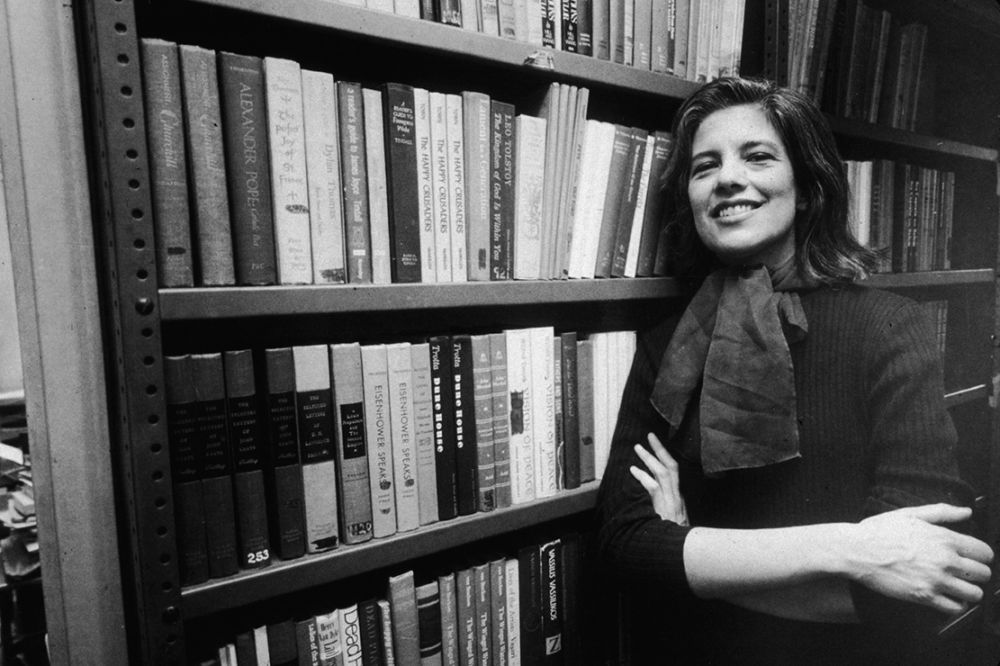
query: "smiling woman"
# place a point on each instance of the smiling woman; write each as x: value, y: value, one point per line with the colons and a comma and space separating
x: 782, y: 481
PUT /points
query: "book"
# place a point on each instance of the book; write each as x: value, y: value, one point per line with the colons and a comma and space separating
x: 552, y: 611
x: 326, y: 194
x: 208, y: 377
x: 441, y: 187
x: 405, y: 622
x: 557, y: 402
x: 284, y: 477
x: 482, y: 394
x: 442, y: 403
x: 404, y: 446
x: 449, y: 620
x: 632, y: 254
x: 653, y: 207
x: 682, y: 15
x: 490, y: 17
x: 520, y: 415
x: 589, y: 209
x: 307, y: 642
x: 585, y: 407
x: 484, y: 611
x: 543, y: 411
x: 260, y: 645
x: 378, y: 429
x: 167, y: 162
x: 246, y: 653
x: 385, y: 615
x: 572, y: 602
x: 570, y: 458
x: 498, y: 612
x: 476, y: 114
x: 502, y: 200
x: 553, y: 112
x: 378, y: 209
x: 370, y: 626
x: 329, y: 639
x: 429, y: 621
x: 425, y: 184
x: 403, y: 185
x: 213, y: 241
x: 466, y: 446
x: 506, y: 19
x: 512, y: 609
x: 281, y: 642
x: 501, y: 425
x: 530, y: 590
x: 350, y: 636
x: 289, y: 185
x: 529, y: 180
x: 248, y: 170
x: 352, y: 443
x: 457, y: 219
x: 249, y: 444
x: 628, y: 202
x: 354, y: 178
x: 423, y: 432
x: 585, y: 27
x: 465, y: 596
x: 618, y: 176
x: 186, y: 468
x: 314, y: 401
x: 570, y: 26
x: 642, y: 33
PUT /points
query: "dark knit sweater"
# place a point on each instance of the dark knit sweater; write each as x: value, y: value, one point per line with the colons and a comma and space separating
x: 874, y: 436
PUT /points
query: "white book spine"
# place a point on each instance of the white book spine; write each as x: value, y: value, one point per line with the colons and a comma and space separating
x: 592, y: 228
x: 543, y: 410
x: 521, y: 428
x: 425, y: 183
x: 511, y: 582
x: 535, y: 12
x: 379, y: 431
x: 350, y: 636
x: 632, y: 258
x: 458, y: 227
x: 600, y: 382
x: 260, y: 646
x: 378, y: 206
x: 440, y: 189
x: 328, y: 633
x: 286, y: 137
x: 491, y: 19
x: 423, y: 417
x: 410, y: 8
x: 326, y: 198
x: 521, y: 21
x: 471, y: 18
x: 583, y: 197
x: 381, y: 5
x: 529, y: 181
x: 404, y: 452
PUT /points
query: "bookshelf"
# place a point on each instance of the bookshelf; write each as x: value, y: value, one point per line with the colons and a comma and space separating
x: 141, y: 322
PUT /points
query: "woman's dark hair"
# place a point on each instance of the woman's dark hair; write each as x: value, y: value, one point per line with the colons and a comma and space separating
x: 826, y: 250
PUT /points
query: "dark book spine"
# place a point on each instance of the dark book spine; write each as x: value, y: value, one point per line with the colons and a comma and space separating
x: 617, y: 183
x: 584, y: 27
x: 552, y: 606
x: 307, y: 642
x: 570, y: 26
x: 248, y: 170
x: 653, y: 211
x: 549, y: 26
x: 429, y: 621
x: 352, y: 444
x: 529, y: 584
x: 217, y: 481
x: 443, y: 402
x: 574, y: 597
x: 246, y: 651
x: 405, y: 621
x: 285, y: 478
x: 465, y: 597
x: 371, y: 632
x: 354, y: 172
x: 626, y: 210
x: 187, y: 464
x: 570, y: 413
x: 449, y: 12
x: 502, y: 190
x: 585, y: 407
x: 428, y: 10
x: 203, y: 125
x: 498, y: 612
x: 282, y: 645
x: 247, y: 436
x: 484, y: 612
x: 401, y: 163
x: 466, y: 454
x: 167, y: 162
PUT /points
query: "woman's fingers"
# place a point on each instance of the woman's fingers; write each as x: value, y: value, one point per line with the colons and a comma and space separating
x: 661, y: 452
x: 647, y: 482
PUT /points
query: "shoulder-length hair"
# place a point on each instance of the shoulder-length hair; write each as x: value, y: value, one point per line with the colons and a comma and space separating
x: 825, y: 249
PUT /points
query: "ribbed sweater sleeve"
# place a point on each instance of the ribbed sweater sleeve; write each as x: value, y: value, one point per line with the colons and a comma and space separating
x: 636, y: 545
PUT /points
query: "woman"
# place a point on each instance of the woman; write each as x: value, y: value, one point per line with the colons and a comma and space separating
x: 801, y: 417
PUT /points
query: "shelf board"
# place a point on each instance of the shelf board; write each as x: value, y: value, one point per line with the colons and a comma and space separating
x: 858, y: 129
x: 965, y: 395
x: 229, y: 302
x: 932, y: 278
x: 430, y: 36
x: 344, y: 562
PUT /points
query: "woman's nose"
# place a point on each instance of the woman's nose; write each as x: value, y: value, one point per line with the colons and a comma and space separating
x: 732, y: 174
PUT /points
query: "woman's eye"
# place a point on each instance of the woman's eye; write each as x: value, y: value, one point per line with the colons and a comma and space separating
x: 701, y: 167
x: 759, y: 157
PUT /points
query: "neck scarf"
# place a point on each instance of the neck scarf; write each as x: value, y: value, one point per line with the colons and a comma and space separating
x: 733, y: 341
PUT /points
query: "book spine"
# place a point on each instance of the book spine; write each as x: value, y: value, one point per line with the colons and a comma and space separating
x: 289, y: 184
x: 281, y: 642
x: 217, y: 481
x: 246, y: 434
x: 425, y: 181
x: 505, y: 12
x: 617, y: 181
x: 465, y: 595
x: 167, y: 162
x: 513, y: 608
x: 490, y: 17
x: 442, y: 403
x: 549, y: 26
x: 458, y: 218
x: 682, y: 17
x: 248, y: 169
x: 378, y: 207
x: 585, y: 407
x: 423, y: 432
x: 529, y: 184
x: 501, y: 412
x: 371, y: 632
x: 385, y: 615
x: 529, y: 577
x: 329, y: 638
x: 520, y: 416
x: 186, y: 467
x: 352, y: 443
x: 572, y: 599
x: 570, y: 407
x: 403, y: 186
x: 653, y: 209
x: 498, y: 612
x: 543, y: 411
x: 354, y: 175
x: 642, y: 30
x: 306, y: 642
x: 632, y: 255
x: 484, y: 610
x: 502, y: 192
x: 629, y: 199
x: 476, y: 112
x: 557, y: 403
x: 316, y: 445
x: 405, y: 623
x: 285, y: 477
x: 326, y: 194
x: 449, y: 620
x: 570, y: 26
x: 585, y: 27
x: 482, y: 382
x: 350, y: 636
x: 404, y: 451
x: 245, y: 650
x: 379, y: 431
x: 440, y: 187
x: 552, y: 611
x: 429, y: 621
x: 203, y: 125
x: 466, y: 445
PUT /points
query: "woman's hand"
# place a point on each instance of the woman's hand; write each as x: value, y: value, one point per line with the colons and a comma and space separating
x: 906, y: 554
x: 661, y: 481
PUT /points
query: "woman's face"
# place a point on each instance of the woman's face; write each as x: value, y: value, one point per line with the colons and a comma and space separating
x: 742, y: 189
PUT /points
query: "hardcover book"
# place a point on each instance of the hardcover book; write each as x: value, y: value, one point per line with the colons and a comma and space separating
x: 403, y: 185
x: 352, y: 443
x: 284, y: 466
x: 378, y: 209
x: 501, y: 423
x: 484, y: 611
x: 502, y: 200
x: 457, y: 218
x: 354, y: 175
x: 440, y: 187
x: 529, y: 182
x: 570, y: 414
x: 405, y: 622
x: 404, y: 445
x: 423, y: 432
x: 371, y: 632
x: 443, y: 405
x: 449, y: 620
x: 482, y: 387
x: 513, y: 607
x: 465, y: 595
x: 350, y: 636
x: 498, y: 612
x: 476, y: 112
x: 520, y: 415
x: 378, y: 429
x: 466, y: 446
x: 543, y: 411
x: 425, y: 184
x: 429, y: 621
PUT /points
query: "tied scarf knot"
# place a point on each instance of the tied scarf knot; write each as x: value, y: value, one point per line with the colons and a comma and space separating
x: 733, y: 341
